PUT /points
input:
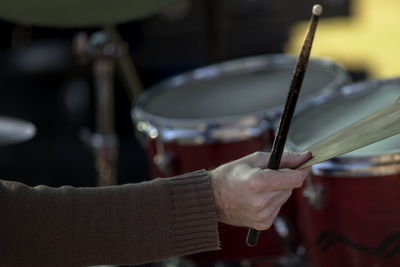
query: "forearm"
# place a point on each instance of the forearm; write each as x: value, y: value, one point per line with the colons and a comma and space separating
x: 128, y: 224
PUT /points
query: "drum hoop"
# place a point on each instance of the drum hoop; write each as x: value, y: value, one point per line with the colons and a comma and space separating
x: 368, y: 165
x: 236, y: 127
x: 366, y: 168
x: 226, y: 129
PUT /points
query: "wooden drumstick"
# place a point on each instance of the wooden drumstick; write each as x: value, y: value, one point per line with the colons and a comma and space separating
x: 284, y: 124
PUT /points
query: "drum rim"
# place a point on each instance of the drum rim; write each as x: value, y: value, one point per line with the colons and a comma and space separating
x: 370, y: 164
x: 245, y: 125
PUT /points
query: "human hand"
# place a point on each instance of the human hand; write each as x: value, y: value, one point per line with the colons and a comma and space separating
x: 247, y: 195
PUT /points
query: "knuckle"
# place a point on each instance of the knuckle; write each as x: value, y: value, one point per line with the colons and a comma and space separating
x: 298, y: 181
x: 263, y: 220
x: 265, y: 225
x: 294, y: 179
x: 303, y: 174
x: 257, y: 226
x: 258, y: 204
x: 253, y: 184
x: 284, y: 198
x: 261, y: 217
x: 268, y: 224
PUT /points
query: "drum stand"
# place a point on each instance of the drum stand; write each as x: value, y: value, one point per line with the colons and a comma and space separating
x: 286, y: 233
x: 104, y: 141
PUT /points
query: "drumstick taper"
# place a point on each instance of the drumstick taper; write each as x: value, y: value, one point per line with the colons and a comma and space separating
x: 284, y: 124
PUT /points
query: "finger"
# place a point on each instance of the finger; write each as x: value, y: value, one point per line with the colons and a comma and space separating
x: 284, y: 180
x: 267, y: 221
x: 266, y: 180
x: 265, y: 199
x: 279, y: 200
x: 274, y: 209
x: 276, y: 212
x: 284, y: 196
x: 292, y: 160
x: 281, y: 197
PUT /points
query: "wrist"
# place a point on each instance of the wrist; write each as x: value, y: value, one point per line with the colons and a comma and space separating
x: 216, y: 192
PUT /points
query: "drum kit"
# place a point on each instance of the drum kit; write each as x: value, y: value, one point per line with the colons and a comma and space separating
x: 345, y: 214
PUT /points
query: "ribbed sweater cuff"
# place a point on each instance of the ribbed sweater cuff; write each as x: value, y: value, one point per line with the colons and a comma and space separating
x: 194, y: 218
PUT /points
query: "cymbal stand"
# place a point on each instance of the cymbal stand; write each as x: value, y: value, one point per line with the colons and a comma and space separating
x: 104, y: 141
x: 286, y: 234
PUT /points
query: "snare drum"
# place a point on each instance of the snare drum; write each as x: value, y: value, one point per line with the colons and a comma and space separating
x: 348, y: 211
x: 212, y: 115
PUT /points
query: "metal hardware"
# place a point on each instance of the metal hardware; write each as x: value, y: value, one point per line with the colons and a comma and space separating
x: 103, y: 53
x: 313, y: 194
x: 163, y: 160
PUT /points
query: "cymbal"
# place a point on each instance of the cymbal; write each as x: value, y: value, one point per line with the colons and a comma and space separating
x: 373, y: 128
x: 15, y: 130
x: 79, y: 13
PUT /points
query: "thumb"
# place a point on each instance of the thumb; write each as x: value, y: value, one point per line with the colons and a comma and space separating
x: 257, y: 159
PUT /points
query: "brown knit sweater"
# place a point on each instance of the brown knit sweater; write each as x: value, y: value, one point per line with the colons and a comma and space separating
x: 128, y: 224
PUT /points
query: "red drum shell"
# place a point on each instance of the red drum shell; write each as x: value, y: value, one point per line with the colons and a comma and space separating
x: 212, y: 115
x: 358, y: 222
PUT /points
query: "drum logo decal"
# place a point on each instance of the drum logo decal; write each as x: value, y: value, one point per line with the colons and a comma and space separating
x: 387, y: 249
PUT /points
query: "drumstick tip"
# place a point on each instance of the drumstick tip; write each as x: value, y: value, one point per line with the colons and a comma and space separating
x: 317, y: 10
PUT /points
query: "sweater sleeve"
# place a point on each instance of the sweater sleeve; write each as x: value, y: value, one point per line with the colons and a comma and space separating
x: 127, y: 224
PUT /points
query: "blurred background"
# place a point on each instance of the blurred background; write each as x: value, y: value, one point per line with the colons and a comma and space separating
x: 42, y: 82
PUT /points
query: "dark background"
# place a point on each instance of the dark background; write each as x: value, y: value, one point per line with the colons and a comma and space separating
x: 41, y: 82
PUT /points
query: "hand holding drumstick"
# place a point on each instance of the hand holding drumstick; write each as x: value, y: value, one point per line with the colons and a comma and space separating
x: 247, y: 194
